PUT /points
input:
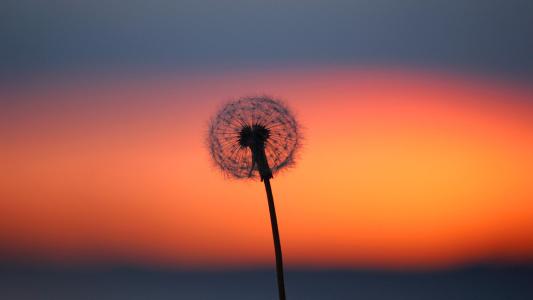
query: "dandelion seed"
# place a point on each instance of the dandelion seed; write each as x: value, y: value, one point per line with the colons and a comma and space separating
x: 256, y: 137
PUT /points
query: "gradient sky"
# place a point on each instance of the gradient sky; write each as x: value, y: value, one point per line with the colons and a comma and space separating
x: 416, y: 116
x: 486, y: 36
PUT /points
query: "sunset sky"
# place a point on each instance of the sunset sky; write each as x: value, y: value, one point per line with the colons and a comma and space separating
x: 418, y: 152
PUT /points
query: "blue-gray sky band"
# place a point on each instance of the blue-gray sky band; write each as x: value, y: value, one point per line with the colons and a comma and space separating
x: 494, y: 36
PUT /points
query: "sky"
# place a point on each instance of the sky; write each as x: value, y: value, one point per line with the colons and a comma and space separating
x: 416, y: 118
x: 485, y: 36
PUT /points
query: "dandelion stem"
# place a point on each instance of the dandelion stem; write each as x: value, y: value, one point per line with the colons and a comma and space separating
x: 277, y: 243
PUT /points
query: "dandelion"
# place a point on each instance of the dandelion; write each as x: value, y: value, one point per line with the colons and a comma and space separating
x: 256, y: 137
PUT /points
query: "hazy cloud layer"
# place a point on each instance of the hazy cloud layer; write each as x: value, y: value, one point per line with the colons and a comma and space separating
x: 493, y: 36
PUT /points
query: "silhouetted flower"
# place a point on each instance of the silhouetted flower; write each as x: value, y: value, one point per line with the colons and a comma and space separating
x: 256, y: 135
x: 253, y: 136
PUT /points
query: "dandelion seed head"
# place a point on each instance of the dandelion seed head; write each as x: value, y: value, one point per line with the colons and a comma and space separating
x: 249, y: 121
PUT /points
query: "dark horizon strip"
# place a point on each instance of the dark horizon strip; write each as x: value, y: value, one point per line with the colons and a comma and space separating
x: 474, y: 282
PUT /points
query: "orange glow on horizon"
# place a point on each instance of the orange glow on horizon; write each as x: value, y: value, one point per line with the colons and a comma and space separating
x: 399, y: 169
